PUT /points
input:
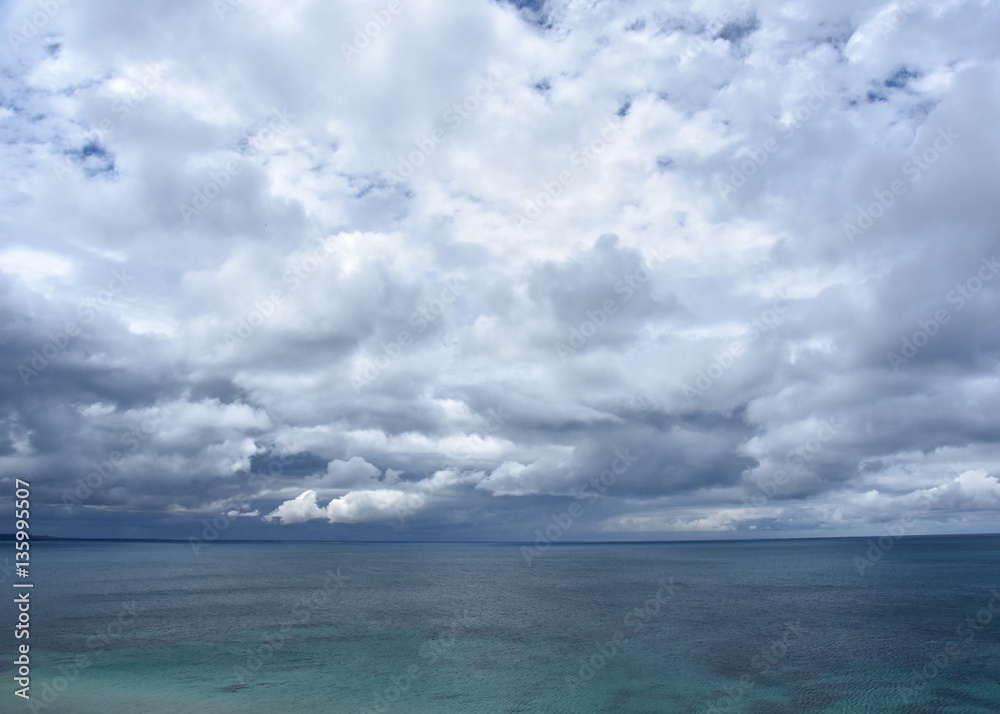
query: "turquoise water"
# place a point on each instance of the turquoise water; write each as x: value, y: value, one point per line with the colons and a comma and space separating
x: 755, y: 627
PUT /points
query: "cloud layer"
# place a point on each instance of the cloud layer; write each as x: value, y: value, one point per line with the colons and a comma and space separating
x: 415, y: 269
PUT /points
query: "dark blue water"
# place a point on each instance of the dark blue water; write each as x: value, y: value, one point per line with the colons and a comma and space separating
x: 763, y: 626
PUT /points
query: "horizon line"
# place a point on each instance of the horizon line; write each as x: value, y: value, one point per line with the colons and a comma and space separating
x: 10, y: 537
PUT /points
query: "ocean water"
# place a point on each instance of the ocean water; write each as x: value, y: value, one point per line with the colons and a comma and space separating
x: 756, y: 627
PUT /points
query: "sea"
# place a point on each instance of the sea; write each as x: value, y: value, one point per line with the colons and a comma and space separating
x: 832, y: 626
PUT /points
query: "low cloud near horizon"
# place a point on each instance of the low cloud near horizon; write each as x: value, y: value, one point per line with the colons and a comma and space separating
x: 419, y: 270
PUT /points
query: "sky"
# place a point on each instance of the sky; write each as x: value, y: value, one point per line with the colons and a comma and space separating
x: 539, y: 271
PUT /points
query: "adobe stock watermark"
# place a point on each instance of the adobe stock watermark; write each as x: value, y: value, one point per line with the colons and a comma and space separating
x: 712, y: 31
x: 877, y: 548
x: 721, y: 363
x: 927, y: 328
x: 413, y: 502
x: 627, y: 286
x: 61, y: 339
x: 493, y: 423
x: 911, y: 169
x: 213, y: 530
x: 266, y: 307
x: 580, y: 161
x: 796, y: 459
x: 420, y: 319
x: 965, y: 632
x: 454, y: 116
x: 759, y: 155
x: 301, y: 612
x: 221, y: 177
x: 33, y: 24
x: 101, y: 471
x: 224, y: 7
x: 122, y: 109
x: 760, y: 664
x: 431, y: 650
x: 642, y: 404
x: 70, y: 671
x: 367, y: 33
x: 591, y: 492
x: 634, y: 621
x: 898, y: 16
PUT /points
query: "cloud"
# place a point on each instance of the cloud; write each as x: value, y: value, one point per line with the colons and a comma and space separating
x: 300, y: 509
x: 970, y: 497
x: 377, y: 505
x: 432, y: 287
x: 720, y: 521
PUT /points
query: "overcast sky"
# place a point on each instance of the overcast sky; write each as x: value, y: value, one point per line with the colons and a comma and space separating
x: 448, y: 270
